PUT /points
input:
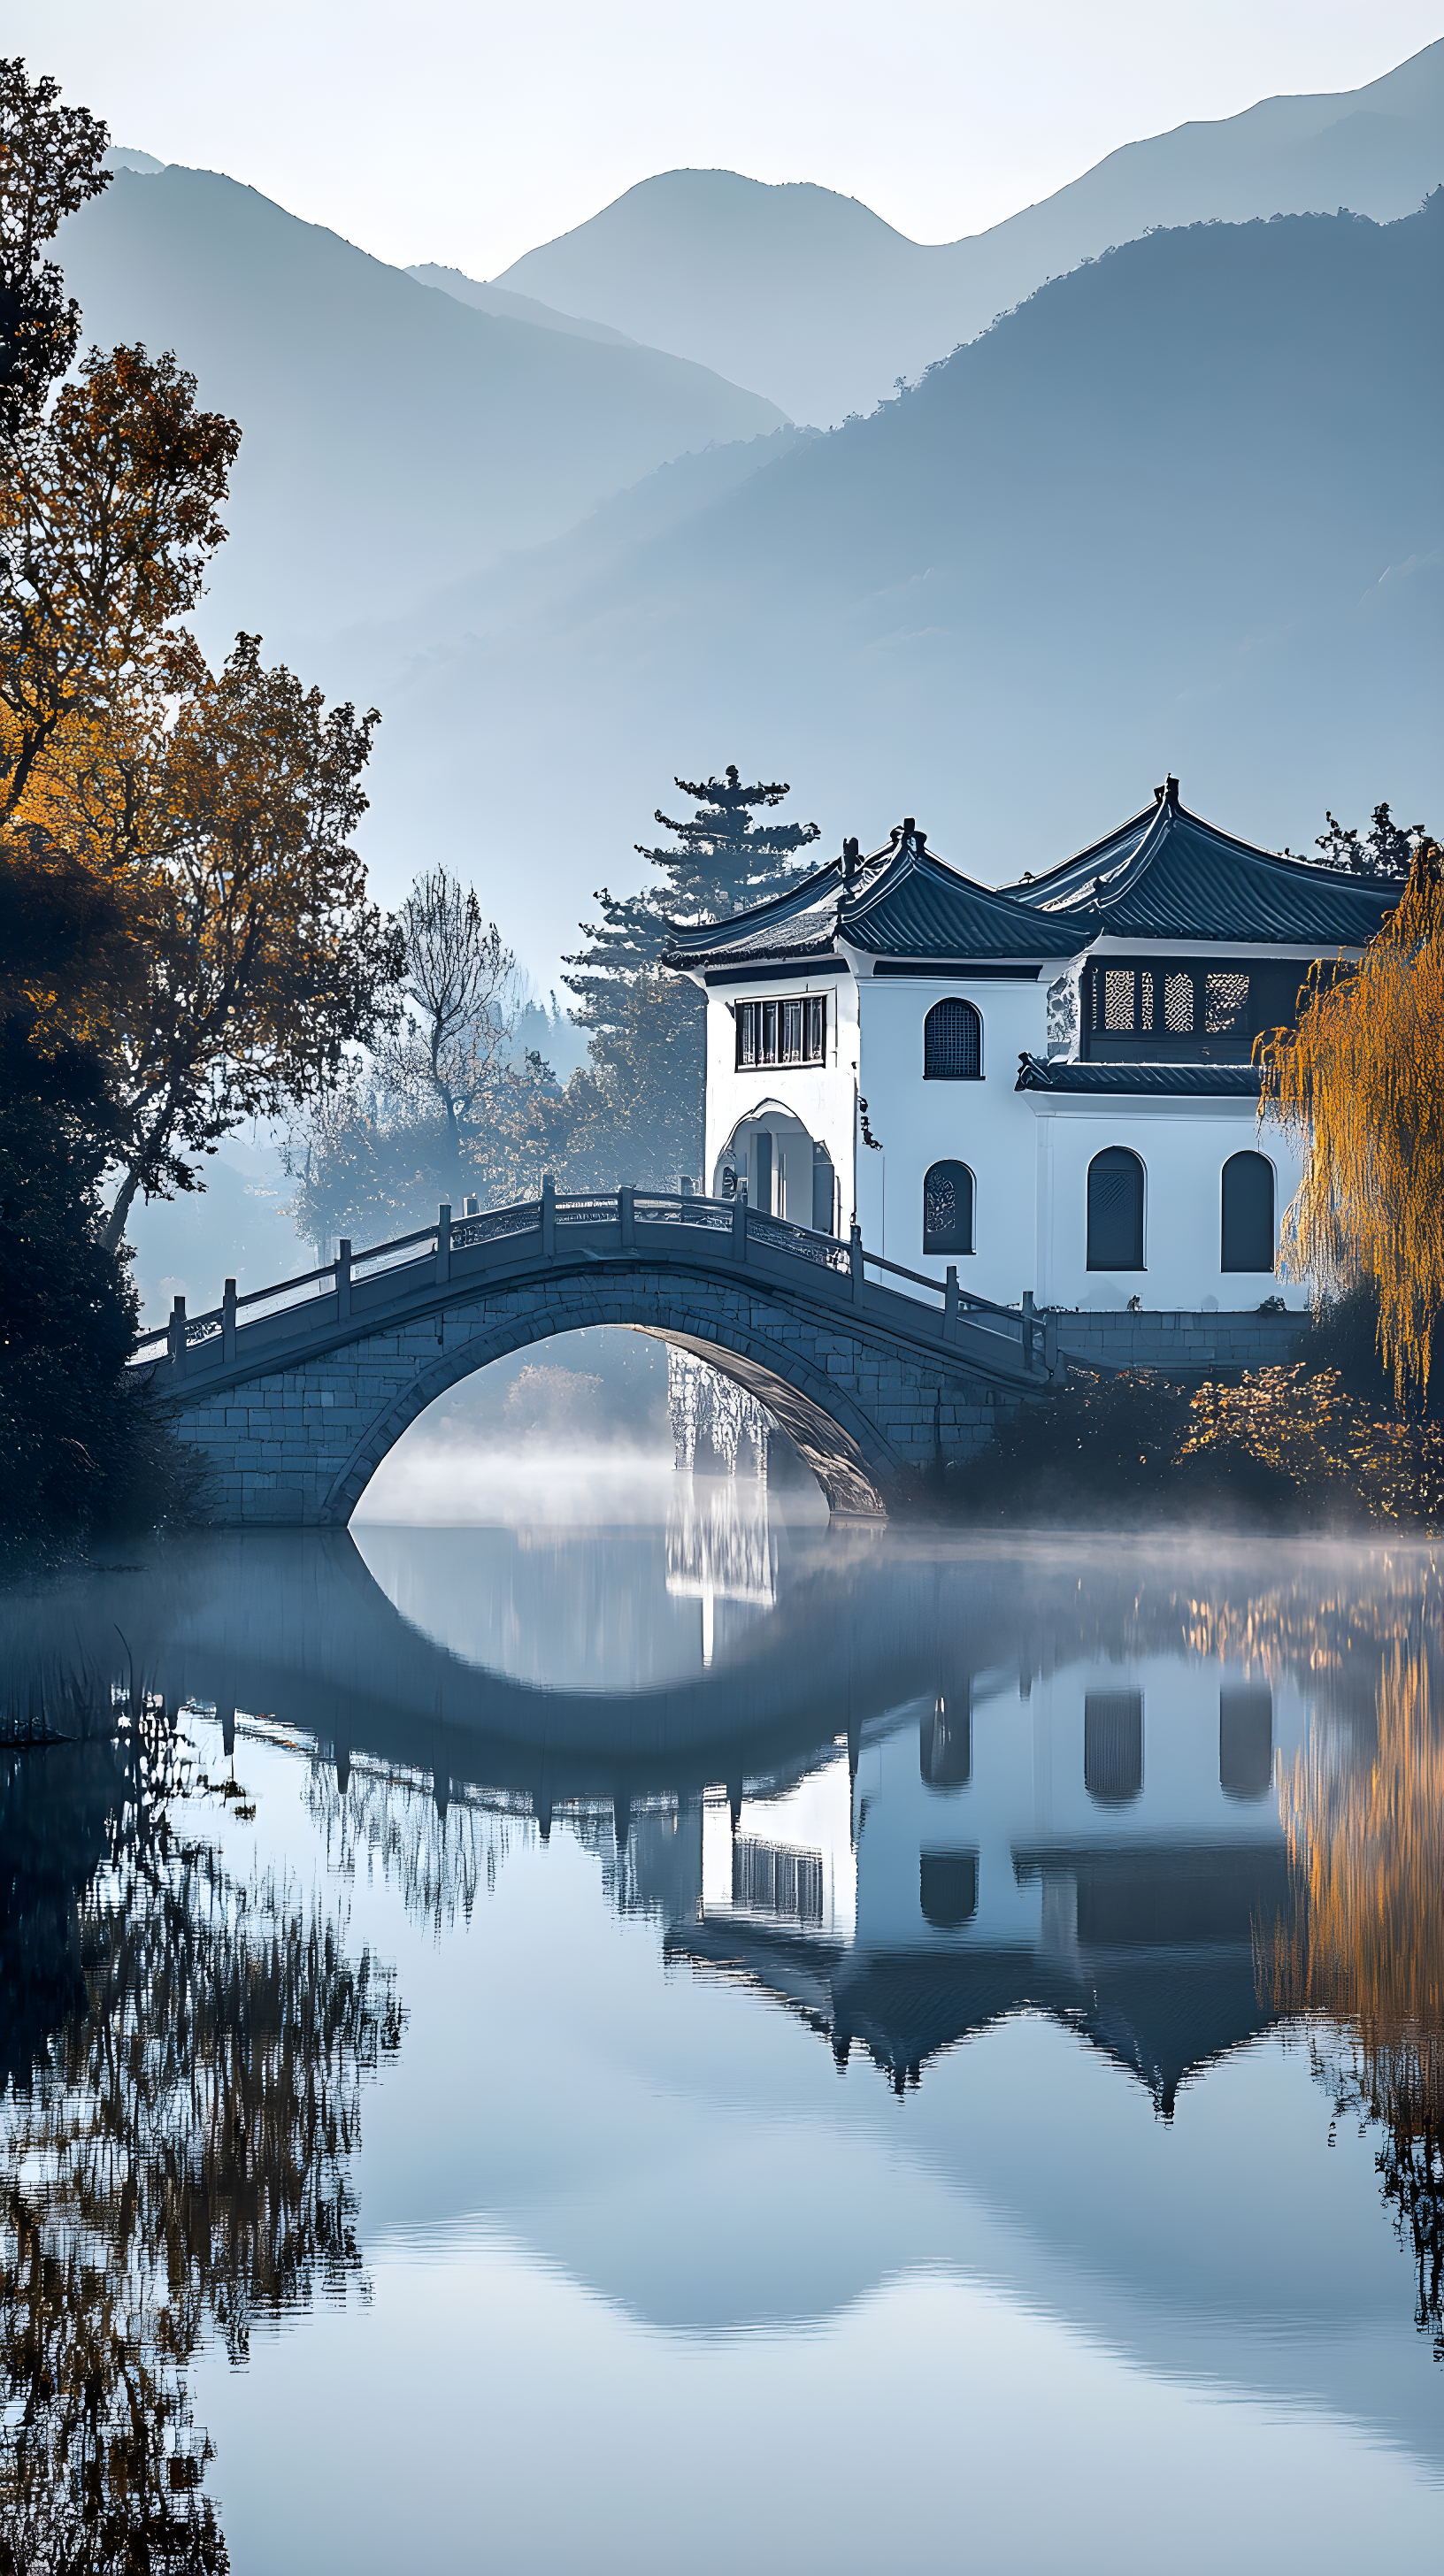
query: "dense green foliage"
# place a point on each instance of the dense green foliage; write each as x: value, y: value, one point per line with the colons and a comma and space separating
x: 80, y: 1442
x: 642, y: 1119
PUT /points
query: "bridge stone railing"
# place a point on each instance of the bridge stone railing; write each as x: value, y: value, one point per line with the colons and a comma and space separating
x: 356, y: 1290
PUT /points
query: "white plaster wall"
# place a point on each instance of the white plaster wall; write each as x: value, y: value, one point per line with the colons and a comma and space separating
x: 988, y: 1125
x: 1027, y: 1790
x: 821, y: 1096
x: 1028, y: 1151
x: 1183, y: 1146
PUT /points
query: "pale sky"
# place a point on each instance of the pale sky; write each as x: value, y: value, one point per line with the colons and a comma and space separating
x: 468, y: 133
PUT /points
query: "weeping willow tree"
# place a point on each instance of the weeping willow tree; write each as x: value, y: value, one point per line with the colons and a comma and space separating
x: 1360, y: 1083
x: 1366, y: 1950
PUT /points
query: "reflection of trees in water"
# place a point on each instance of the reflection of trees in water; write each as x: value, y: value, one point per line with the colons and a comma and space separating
x: 1326, y: 1619
x: 1367, y: 1950
x: 181, y: 2161
x: 435, y: 1850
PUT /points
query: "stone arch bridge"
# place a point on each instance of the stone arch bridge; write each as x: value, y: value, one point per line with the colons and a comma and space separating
x: 295, y: 1393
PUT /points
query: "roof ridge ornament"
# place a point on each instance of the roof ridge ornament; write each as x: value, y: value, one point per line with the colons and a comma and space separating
x: 1167, y: 794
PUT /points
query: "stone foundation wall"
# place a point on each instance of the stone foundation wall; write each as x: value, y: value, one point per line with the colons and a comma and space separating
x: 1182, y: 1344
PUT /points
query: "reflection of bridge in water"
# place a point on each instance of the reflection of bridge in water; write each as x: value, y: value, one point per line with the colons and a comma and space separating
x: 921, y: 1793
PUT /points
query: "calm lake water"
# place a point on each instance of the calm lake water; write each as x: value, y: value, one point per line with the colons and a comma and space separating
x: 719, y: 2041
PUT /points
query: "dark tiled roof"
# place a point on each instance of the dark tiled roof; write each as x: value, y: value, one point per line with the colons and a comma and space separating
x: 1195, y: 1081
x: 1167, y: 874
x: 920, y: 907
x: 797, y: 923
x: 904, y: 902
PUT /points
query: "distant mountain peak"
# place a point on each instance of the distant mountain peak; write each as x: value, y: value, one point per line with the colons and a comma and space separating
x: 788, y: 285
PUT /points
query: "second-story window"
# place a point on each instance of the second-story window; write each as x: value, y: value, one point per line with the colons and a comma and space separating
x: 952, y: 1043
x: 782, y: 1032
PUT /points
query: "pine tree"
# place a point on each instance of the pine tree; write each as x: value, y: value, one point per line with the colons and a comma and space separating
x: 725, y: 863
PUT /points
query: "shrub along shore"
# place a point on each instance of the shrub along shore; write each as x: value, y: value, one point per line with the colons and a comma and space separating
x: 1323, y: 1444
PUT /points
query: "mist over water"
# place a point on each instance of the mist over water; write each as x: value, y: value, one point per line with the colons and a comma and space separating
x: 741, y: 1977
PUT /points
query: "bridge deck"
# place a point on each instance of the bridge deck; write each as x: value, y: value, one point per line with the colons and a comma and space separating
x: 435, y: 1267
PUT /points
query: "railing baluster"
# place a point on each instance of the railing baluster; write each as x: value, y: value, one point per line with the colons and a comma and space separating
x: 537, y: 1223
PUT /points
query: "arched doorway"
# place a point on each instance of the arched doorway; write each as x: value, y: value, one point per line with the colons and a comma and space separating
x: 788, y: 1171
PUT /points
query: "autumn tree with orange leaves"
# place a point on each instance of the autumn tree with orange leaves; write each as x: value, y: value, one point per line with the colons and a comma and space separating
x: 1360, y: 1082
x: 185, y: 938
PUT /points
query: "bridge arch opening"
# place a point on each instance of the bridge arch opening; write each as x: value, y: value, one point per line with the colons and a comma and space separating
x: 585, y: 1389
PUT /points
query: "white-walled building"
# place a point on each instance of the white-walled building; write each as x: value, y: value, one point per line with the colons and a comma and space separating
x: 1050, y: 1085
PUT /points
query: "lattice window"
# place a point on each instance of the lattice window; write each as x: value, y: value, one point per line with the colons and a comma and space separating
x: 1145, y: 998
x: 1178, y: 1005
x: 952, y: 1043
x: 1118, y: 989
x: 767, y: 1879
x: 786, y: 1032
x: 1226, y: 1004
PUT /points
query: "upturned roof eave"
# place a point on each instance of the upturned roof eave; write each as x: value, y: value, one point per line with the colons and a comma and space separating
x: 1110, y: 912
x: 689, y: 939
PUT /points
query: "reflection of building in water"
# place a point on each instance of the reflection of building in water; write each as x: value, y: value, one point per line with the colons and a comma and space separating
x: 720, y: 1548
x: 1103, y: 1846
x: 790, y: 1865
x: 707, y: 1406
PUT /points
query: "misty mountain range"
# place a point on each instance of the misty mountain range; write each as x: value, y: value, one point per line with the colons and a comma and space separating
x: 1180, y: 510
x: 394, y: 436
x: 813, y: 299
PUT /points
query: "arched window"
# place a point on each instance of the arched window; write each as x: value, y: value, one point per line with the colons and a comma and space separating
x: 1113, y: 1746
x: 948, y: 1888
x: 1248, y: 1213
x: 948, y: 1208
x: 1115, y: 1210
x: 1246, y: 1740
x: 945, y: 1744
x: 952, y: 1043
